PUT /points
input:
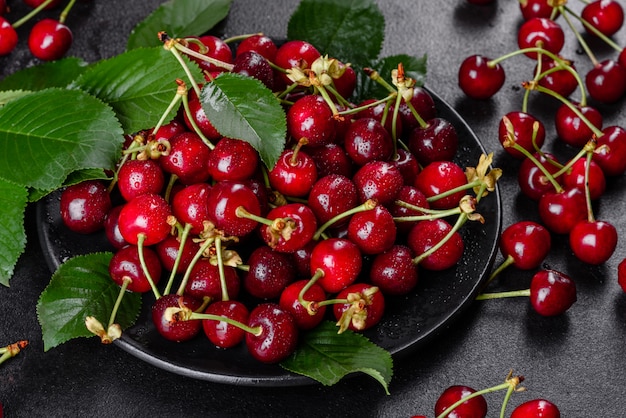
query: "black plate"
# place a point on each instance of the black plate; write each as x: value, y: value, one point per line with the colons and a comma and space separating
x: 409, y: 322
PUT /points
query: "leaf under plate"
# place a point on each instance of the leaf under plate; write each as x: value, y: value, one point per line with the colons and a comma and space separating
x: 13, y: 200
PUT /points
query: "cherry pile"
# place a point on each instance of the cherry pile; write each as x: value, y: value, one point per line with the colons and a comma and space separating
x: 49, y: 38
x: 564, y: 189
x: 363, y: 196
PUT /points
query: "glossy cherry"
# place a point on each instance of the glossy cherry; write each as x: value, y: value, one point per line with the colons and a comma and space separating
x: 423, y: 104
x: 137, y: 177
x: 292, y: 227
x: 8, y: 37
x: 437, y: 141
x: 594, y: 241
x: 475, y: 407
x: 112, y: 229
x: 581, y: 177
x: 607, y: 16
x: 84, y: 206
x: 294, y: 173
x: 394, y: 271
x: 200, y: 119
x: 339, y: 261
x: 269, y: 273
x: 571, y: 129
x: 441, y: 177
x: 330, y: 196
x: 146, y: 215
x: 610, y: 153
x: 204, y: 281
x: 532, y: 180
x: 295, y: 53
x: 187, y: 159
x: 169, y: 252
x: 233, y: 159
x: 221, y: 333
x: 552, y: 292
x: 252, y: 64
x: 367, y: 140
x: 171, y: 328
x: 559, y: 211
x: 428, y: 233
x: 190, y: 205
x: 413, y: 196
x: 536, y: 8
x: 606, y: 82
x: 521, y: 128
x: 540, y: 31
x: 223, y: 201
x: 331, y: 159
x: 289, y: 301
x: 536, y: 408
x: 560, y: 81
x: 479, y: 78
x: 259, y: 43
x: 213, y: 47
x: 125, y: 263
x: 278, y: 333
x: 378, y: 112
x: 311, y: 118
x: 407, y: 164
x: 526, y: 243
x: 379, y: 180
x: 49, y: 39
x: 364, y: 308
x: 373, y: 231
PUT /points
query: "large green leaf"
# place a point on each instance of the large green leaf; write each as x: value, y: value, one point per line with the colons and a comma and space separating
x: 327, y: 357
x: 243, y: 108
x: 82, y: 287
x: 179, y: 18
x: 349, y: 30
x: 58, y: 73
x: 139, y: 85
x: 48, y: 134
x: 13, y: 199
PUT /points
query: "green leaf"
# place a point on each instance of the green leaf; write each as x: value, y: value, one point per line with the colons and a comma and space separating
x: 350, y: 30
x: 179, y: 18
x: 327, y: 357
x: 13, y: 199
x: 48, y: 134
x: 82, y: 287
x: 139, y: 85
x: 8, y: 95
x: 73, y: 178
x: 58, y: 73
x: 243, y: 108
x: 414, y: 68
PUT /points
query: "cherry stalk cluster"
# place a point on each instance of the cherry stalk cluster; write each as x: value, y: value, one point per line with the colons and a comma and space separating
x: 49, y: 39
x: 564, y: 190
x: 362, y: 197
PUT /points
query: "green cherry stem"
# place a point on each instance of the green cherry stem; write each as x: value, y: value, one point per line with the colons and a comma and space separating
x: 238, y: 38
x: 12, y: 350
x: 507, y: 294
x: 66, y: 11
x: 32, y: 14
x: 183, y: 236
x: 311, y: 307
x: 140, y: 240
x: 590, y: 215
x: 220, y: 268
x: 595, y: 31
x: 367, y: 205
x: 205, y: 245
x: 171, y: 45
x: 182, y: 48
x: 461, y: 219
x: 579, y: 37
x: 194, y: 124
x: 125, y: 282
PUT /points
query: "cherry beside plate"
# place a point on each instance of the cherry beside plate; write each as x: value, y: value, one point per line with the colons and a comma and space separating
x: 409, y: 322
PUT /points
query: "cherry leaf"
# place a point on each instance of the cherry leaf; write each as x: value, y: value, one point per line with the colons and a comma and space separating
x: 79, y: 288
x: 243, y: 108
x: 414, y: 68
x: 336, y: 27
x: 58, y: 73
x: 13, y: 199
x: 139, y: 85
x: 326, y: 356
x: 179, y: 18
x: 46, y: 135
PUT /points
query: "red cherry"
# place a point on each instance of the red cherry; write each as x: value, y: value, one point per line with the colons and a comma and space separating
x: 199, y: 117
x: 224, y: 199
x: 254, y: 65
x: 621, y: 274
x: 527, y: 243
x: 552, y: 292
x: 610, y: 153
x: 36, y: 3
x: 204, y: 281
x: 111, y: 228
x: 532, y: 181
x: 536, y: 8
x: 606, y: 82
x: 479, y: 79
x: 560, y: 211
x: 215, y: 48
x: 373, y: 231
x: 607, y: 16
x: 367, y: 140
x: 536, y: 408
x: 125, y: 263
x: 293, y: 226
x: 577, y: 177
x: 364, y: 309
x: 294, y: 173
x: 330, y: 196
x: 394, y: 271
x: 560, y: 81
x: 138, y: 177
x: 593, y: 242
x: 437, y: 141
x: 331, y: 159
x: 378, y: 180
x: 295, y: 53
x: 49, y: 39
x: 145, y: 215
x: 340, y: 261
x: 475, y: 407
x: 571, y: 129
x: 378, y: 112
x: 169, y: 251
x: 543, y: 32
x: 84, y: 206
x: 522, y: 128
x: 439, y: 177
x: 413, y: 196
x: 423, y: 103
x: 8, y: 37
x: 171, y: 329
x: 191, y: 206
x: 426, y: 234
x: 289, y: 301
x: 311, y: 118
x: 233, y: 159
x: 188, y: 158
x: 261, y: 44
x: 269, y: 273
x: 278, y: 334
x: 622, y: 58
x: 221, y: 333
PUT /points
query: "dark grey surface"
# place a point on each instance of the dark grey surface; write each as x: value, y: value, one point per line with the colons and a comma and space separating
x: 575, y: 360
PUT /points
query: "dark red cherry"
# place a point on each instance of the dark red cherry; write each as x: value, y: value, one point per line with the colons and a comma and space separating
x: 621, y: 274
x: 294, y: 173
x: 607, y: 16
x: 378, y: 180
x: 145, y: 215
x: 173, y: 329
x: 204, y: 281
x: 259, y: 43
x: 293, y: 226
x: 138, y: 177
x: 289, y: 301
x: 221, y: 333
x: 527, y: 243
x: 407, y: 164
x: 112, y: 229
x: 214, y: 47
x: 423, y: 103
x: 200, y: 119
x: 536, y: 8
x: 559, y: 211
x: 84, y: 206
x: 440, y: 177
x: 571, y: 129
x: 36, y: 3
x: 560, y: 81
x: 542, y: 32
x: 413, y: 196
x: 223, y: 201
x: 295, y: 53
x: 311, y: 118
x: 532, y: 181
x: 579, y: 176
x: 373, y: 231
x: 480, y: 79
x: 269, y: 272
x: 339, y: 260
x: 593, y: 242
x: 610, y: 153
x: 522, y: 128
x: 606, y: 82
x: 187, y: 159
x: 278, y: 333
x: 346, y: 83
x: 331, y: 159
x: 252, y: 64
x: 169, y: 251
x: 437, y: 141
x: 426, y: 234
x: 536, y: 408
x: 49, y: 39
x: 475, y: 407
x: 233, y: 159
x: 552, y: 292
x: 330, y: 196
x: 364, y: 309
x: 378, y: 112
x: 622, y: 58
x: 190, y: 206
x: 367, y: 140
x: 394, y: 271
x: 125, y: 263
x: 8, y: 37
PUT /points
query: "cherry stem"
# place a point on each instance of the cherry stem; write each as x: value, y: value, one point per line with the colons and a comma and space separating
x: 433, y: 214
x: 367, y: 205
x: 12, y: 350
x: 241, y: 212
x: 205, y: 316
x: 171, y: 45
x: 140, y: 240
x: 181, y: 92
x: 32, y: 14
x: 294, y: 157
x: 595, y: 31
x: 194, y: 124
x: 125, y: 282
x: 589, y: 147
x: 238, y: 38
x: 447, y: 193
x: 508, y: 294
x: 183, y: 236
x: 66, y: 11
x: 580, y: 39
x: 206, y: 244
x: 310, y: 306
x: 182, y: 48
x: 505, y: 263
x: 340, y: 99
x: 462, y: 218
x: 590, y: 215
x: 394, y: 126
x: 358, y: 109
x: 220, y: 268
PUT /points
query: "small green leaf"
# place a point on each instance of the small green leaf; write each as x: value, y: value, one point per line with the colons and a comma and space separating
x: 351, y: 30
x: 8, y: 95
x: 48, y: 134
x: 414, y: 68
x: 179, y: 18
x: 139, y: 85
x: 82, y: 287
x: 58, y: 73
x: 327, y: 357
x: 12, y: 233
x: 243, y: 108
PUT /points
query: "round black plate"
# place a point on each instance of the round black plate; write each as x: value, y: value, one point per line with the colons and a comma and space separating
x: 409, y: 321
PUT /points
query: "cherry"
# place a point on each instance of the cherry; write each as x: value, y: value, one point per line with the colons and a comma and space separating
x: 213, y: 47
x: 199, y: 119
x: 346, y: 83
x: 137, y: 177
x: 311, y: 118
x: 289, y: 301
x: 221, y: 333
x: 407, y: 164
x: 622, y: 58
x: 363, y: 309
x: 373, y: 231
x: 172, y: 329
x: 413, y: 196
x: 111, y: 228
x: 8, y: 37
x: 233, y: 159
x: 423, y: 103
x: 560, y: 81
x: 291, y: 227
x: 594, y: 180
x: 593, y: 242
x: 475, y: 407
x: 606, y: 82
x: 378, y: 112
x: 204, y: 281
x: 532, y: 181
x: 561, y: 210
x: 330, y: 196
x: 524, y: 130
x: 394, y: 271
x: 610, y: 152
x: 146, y: 215
x: 84, y: 206
x: 169, y: 253
x: 536, y: 8
x: 125, y: 264
x: 339, y: 263
x: 254, y: 65
x: 223, y: 201
x: 621, y: 274
x: 543, y: 32
x: 190, y: 206
x: 536, y: 408
x: 278, y: 333
x: 552, y: 292
x: 295, y: 54
x: 294, y: 173
x: 331, y: 159
x: 302, y: 259
x: 479, y: 78
x: 187, y: 159
x: 607, y: 16
x: 367, y: 140
x: 440, y: 177
x: 571, y: 129
x: 269, y: 272
x: 378, y: 180
x: 259, y: 43
x: 525, y: 244
x: 49, y: 39
x: 428, y: 233
x: 437, y: 141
